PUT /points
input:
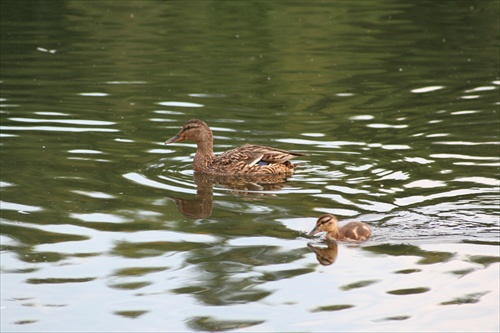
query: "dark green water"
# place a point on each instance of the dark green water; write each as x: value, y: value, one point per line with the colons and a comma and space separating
x: 103, y: 228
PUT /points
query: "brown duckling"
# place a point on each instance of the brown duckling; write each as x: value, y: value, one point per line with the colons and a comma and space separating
x: 244, y: 160
x: 350, y: 232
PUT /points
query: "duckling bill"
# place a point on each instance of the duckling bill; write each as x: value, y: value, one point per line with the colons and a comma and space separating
x: 350, y: 232
x: 244, y: 160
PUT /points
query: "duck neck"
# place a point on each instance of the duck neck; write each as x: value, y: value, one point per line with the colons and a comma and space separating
x: 204, y: 155
x: 333, y: 235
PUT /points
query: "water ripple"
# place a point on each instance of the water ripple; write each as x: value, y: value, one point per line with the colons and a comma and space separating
x: 56, y: 129
x: 181, y: 104
x: 63, y: 121
x: 143, y: 180
x: 19, y: 207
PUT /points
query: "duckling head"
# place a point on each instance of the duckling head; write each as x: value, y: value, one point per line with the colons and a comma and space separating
x: 193, y: 130
x: 326, y: 222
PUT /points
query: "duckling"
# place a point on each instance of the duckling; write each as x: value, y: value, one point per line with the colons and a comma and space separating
x: 350, y: 232
x: 244, y: 160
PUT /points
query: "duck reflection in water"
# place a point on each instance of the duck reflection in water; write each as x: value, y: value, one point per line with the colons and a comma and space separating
x: 201, y: 205
x: 325, y: 255
x: 248, y: 186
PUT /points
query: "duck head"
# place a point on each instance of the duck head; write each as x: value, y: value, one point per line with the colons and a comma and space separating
x: 193, y: 130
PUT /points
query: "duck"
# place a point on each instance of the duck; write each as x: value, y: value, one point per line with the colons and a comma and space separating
x: 351, y: 232
x: 244, y: 160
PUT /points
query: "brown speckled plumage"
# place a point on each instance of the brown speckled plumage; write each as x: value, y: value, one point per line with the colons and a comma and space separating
x: 350, y: 232
x: 244, y: 160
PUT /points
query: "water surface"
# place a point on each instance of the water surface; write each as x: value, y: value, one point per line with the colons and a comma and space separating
x: 105, y: 228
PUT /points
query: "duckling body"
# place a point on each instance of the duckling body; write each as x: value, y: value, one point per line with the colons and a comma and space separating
x: 350, y: 232
x: 244, y: 160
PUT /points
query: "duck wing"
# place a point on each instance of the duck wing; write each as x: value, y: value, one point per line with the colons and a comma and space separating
x: 262, y: 155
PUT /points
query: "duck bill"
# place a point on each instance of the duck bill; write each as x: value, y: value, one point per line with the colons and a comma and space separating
x: 174, y: 139
x: 313, y: 232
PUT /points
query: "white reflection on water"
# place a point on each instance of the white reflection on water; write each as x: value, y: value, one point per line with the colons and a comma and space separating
x: 479, y: 180
x: 402, y: 201
x: 419, y: 160
x: 56, y: 129
x: 42, y: 49
x: 313, y: 135
x: 94, y: 194
x: 425, y: 183
x: 85, y: 151
x: 465, y: 157
x: 99, y: 217
x: 464, y: 112
x: 466, y: 143
x: 206, y: 95
x: 362, y: 117
x: 126, y: 82
x: 63, y: 121
x: 19, y: 207
x: 426, y: 89
x: 169, y: 112
x: 484, y: 88
x: 51, y: 113
x: 386, y: 126
x: 94, y: 94
x: 388, y: 174
x: 470, y: 97
x: 140, y: 179
x: 181, y: 104
x: 171, y: 236
x: 89, y: 159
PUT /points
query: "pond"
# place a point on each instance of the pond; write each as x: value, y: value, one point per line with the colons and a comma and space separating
x: 104, y: 228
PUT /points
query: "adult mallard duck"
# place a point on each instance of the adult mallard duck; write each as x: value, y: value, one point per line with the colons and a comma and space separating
x: 350, y: 232
x: 244, y: 160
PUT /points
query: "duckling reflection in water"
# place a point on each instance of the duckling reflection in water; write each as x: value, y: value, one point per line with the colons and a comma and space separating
x: 350, y: 232
x: 325, y: 255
